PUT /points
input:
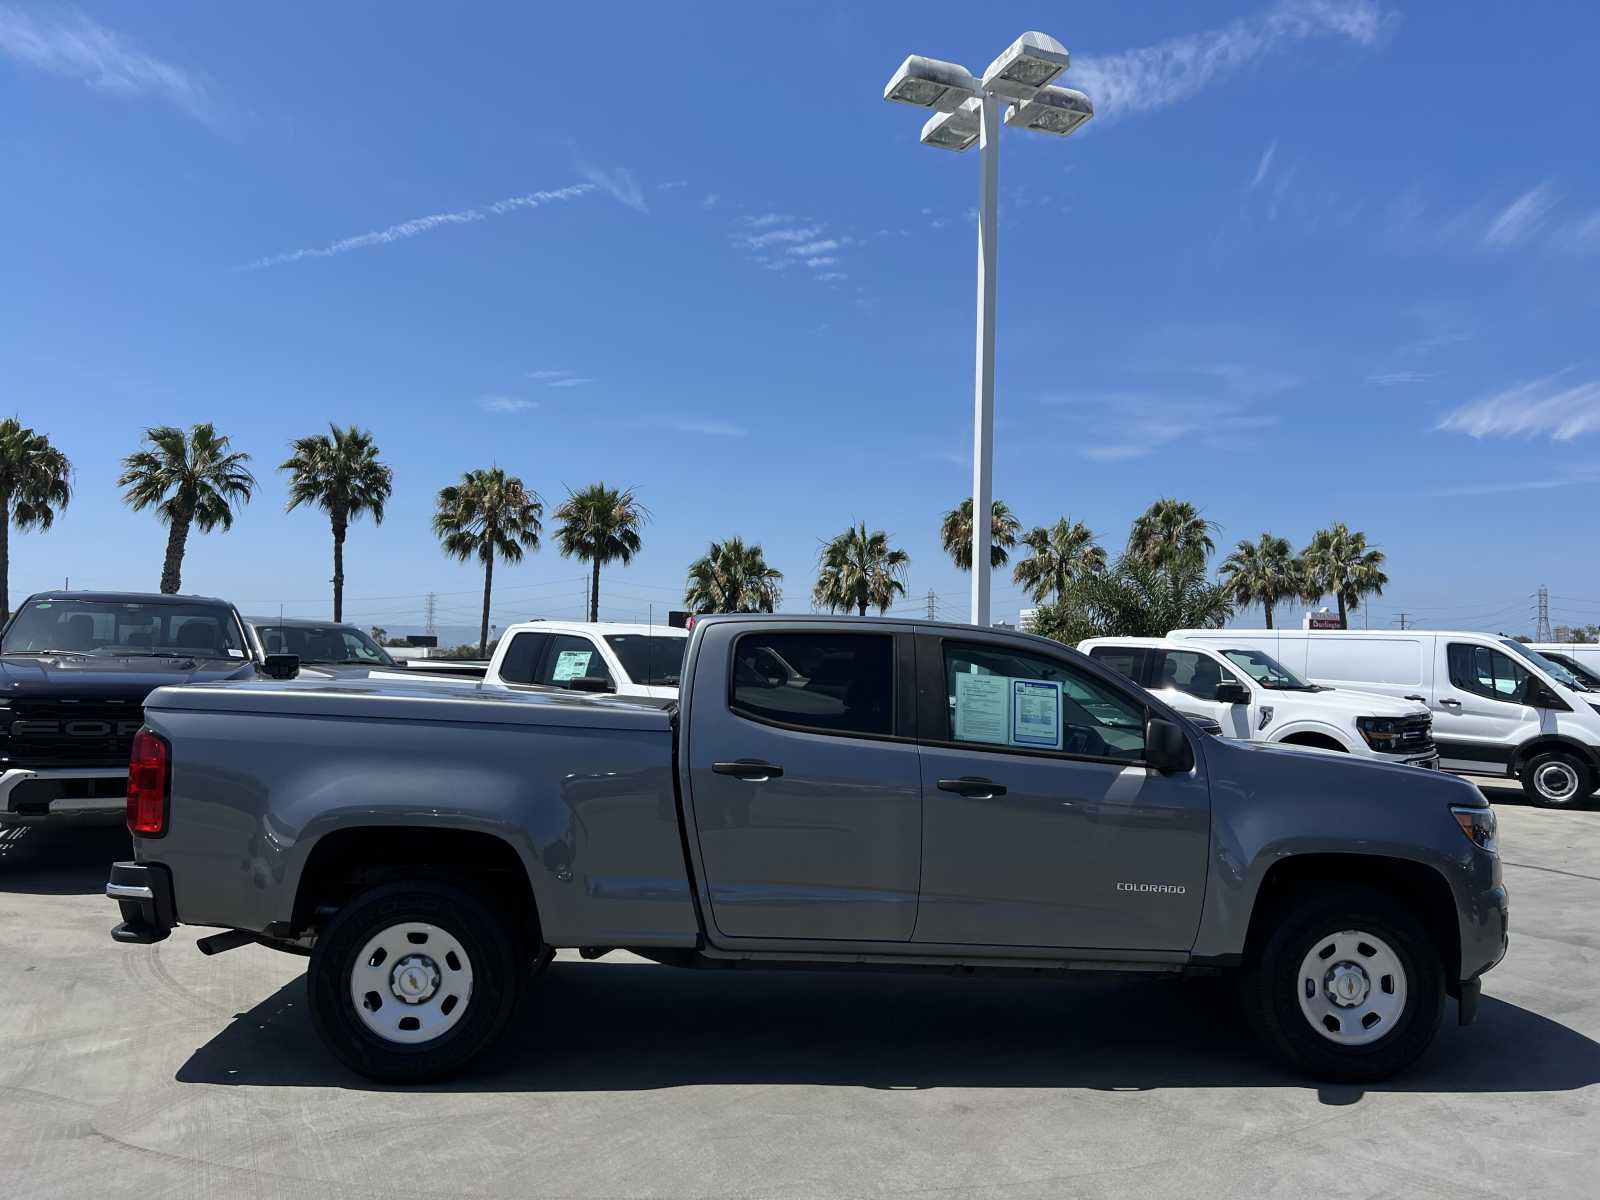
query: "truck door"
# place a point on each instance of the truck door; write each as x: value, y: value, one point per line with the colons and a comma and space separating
x: 1480, y: 709
x: 1041, y: 825
x: 806, y: 795
x: 1189, y: 681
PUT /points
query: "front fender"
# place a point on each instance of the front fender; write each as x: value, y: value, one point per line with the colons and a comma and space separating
x: 1327, y: 729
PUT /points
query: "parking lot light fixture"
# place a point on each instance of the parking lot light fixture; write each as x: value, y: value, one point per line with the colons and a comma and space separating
x: 930, y: 83
x: 1056, y: 110
x: 968, y: 113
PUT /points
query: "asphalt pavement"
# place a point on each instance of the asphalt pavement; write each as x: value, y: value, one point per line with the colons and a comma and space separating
x: 152, y: 1071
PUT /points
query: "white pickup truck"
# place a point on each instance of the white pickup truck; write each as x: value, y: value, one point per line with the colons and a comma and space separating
x: 1257, y: 698
x: 643, y: 661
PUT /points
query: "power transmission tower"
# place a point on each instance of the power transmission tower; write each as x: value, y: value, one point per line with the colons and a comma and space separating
x: 932, y: 605
x: 1404, y: 618
x: 1542, y: 633
x: 428, y: 604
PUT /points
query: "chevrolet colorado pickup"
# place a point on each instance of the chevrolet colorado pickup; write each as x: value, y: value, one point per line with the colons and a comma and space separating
x: 75, y: 668
x: 833, y: 792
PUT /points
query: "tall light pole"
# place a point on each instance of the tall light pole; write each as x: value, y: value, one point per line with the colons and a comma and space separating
x: 968, y: 111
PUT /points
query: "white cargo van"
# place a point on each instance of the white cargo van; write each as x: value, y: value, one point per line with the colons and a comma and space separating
x: 1254, y: 697
x: 1581, y: 658
x: 1499, y: 707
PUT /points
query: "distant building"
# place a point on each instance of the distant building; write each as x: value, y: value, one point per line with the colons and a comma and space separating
x: 1026, y: 619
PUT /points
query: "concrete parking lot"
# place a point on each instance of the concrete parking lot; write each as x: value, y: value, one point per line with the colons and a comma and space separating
x: 155, y: 1072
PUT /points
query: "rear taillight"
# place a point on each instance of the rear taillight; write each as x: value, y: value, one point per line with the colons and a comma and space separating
x: 148, y: 772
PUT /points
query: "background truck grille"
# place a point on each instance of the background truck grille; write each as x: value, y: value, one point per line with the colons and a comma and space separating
x: 68, y: 733
x: 1416, y: 735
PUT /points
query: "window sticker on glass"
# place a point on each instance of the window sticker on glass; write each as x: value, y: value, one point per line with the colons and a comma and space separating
x: 232, y: 653
x: 1036, y: 713
x: 571, y: 664
x: 981, y: 708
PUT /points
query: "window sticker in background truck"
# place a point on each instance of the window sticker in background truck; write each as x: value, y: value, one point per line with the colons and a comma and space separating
x: 571, y: 664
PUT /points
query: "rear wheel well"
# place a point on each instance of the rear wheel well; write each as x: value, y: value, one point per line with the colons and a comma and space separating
x: 1414, y: 886
x: 1319, y: 740
x: 347, y: 862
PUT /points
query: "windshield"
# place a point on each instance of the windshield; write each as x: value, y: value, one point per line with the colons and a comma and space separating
x: 125, y: 628
x: 1589, y: 678
x: 649, y: 659
x: 1553, y: 669
x: 343, y: 645
x: 1267, y: 671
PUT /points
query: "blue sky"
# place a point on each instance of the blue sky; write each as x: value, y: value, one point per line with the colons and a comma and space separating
x: 1313, y: 260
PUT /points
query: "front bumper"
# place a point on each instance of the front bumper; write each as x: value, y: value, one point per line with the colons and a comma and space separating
x: 144, y: 893
x: 30, y: 797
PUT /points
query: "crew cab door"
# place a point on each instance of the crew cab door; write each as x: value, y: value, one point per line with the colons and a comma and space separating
x: 804, y: 786
x: 1190, y: 681
x: 1041, y: 825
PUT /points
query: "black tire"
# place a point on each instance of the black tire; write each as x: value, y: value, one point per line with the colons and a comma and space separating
x: 1557, y: 779
x: 491, y: 953
x: 1271, y: 984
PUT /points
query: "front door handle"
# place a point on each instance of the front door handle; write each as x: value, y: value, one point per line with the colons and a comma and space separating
x: 751, y: 770
x: 1414, y: 696
x: 1451, y: 703
x: 973, y: 787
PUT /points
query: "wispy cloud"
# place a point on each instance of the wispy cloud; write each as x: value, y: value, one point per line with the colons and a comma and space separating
x: 1551, y: 406
x: 561, y: 377
x: 767, y: 219
x: 506, y: 404
x: 698, y: 426
x: 672, y: 185
x: 1519, y: 485
x: 1397, y: 378
x: 560, y: 373
x: 420, y: 225
x: 772, y: 237
x: 776, y: 242
x: 618, y: 183
x: 72, y: 45
x: 1263, y: 167
x: 1522, y: 218
x: 1153, y: 77
x: 1128, y: 425
x: 710, y: 201
x: 571, y: 381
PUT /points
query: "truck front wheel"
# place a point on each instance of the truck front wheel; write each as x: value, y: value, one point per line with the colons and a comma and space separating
x: 1349, y: 987
x: 1556, y: 779
x: 411, y: 980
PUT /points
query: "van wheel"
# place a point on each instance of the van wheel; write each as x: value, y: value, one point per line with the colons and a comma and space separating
x: 411, y: 981
x: 1348, y: 987
x: 1556, y: 779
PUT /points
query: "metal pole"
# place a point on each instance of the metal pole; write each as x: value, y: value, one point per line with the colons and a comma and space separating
x: 983, y: 392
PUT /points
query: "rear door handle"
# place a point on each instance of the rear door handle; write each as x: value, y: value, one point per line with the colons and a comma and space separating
x: 1451, y: 703
x: 973, y: 787
x: 751, y: 770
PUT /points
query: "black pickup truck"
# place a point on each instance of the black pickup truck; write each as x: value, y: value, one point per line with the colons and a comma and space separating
x: 75, y: 668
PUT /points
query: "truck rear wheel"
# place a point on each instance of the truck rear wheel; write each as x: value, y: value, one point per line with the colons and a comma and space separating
x: 412, y: 980
x: 1349, y: 987
x: 1556, y: 779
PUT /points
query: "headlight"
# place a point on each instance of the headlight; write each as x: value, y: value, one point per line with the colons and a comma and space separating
x: 1480, y: 826
x: 1381, y: 733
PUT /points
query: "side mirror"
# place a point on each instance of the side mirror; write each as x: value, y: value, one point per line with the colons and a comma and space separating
x: 1166, y: 749
x: 590, y: 683
x: 280, y: 666
x: 1231, y: 691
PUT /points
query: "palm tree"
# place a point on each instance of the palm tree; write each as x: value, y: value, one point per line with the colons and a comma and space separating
x: 956, y: 534
x: 489, y: 514
x: 859, y: 570
x: 339, y: 473
x: 1171, y: 532
x: 1263, y: 572
x: 1340, y: 562
x: 1135, y: 599
x: 192, y: 478
x: 1062, y: 554
x: 600, y: 525
x: 35, y: 481
x: 732, y: 578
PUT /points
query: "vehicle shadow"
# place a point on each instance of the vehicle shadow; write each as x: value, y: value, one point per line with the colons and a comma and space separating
x: 68, y: 858
x: 604, y: 1027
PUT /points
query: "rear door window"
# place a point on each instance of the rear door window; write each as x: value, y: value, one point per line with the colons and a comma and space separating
x: 1128, y: 661
x: 831, y: 682
x: 523, y: 657
x: 570, y: 657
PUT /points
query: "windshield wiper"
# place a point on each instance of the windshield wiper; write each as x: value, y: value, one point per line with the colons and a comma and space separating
x: 50, y: 653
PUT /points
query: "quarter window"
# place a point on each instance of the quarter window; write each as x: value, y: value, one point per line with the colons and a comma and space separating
x: 835, y: 682
x: 1488, y: 673
x: 1000, y: 697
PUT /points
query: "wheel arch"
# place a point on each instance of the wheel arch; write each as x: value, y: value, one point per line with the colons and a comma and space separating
x: 1422, y: 888
x: 1314, y: 736
x: 1531, y: 749
x: 350, y: 859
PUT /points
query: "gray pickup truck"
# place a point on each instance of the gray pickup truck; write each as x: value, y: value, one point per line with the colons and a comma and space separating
x: 835, y: 792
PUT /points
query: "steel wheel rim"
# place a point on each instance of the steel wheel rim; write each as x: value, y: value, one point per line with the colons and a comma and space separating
x: 1352, y: 987
x: 1556, y: 781
x: 411, y: 983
